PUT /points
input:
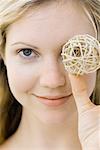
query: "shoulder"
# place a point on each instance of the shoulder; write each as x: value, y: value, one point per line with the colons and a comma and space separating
x: 5, y: 146
x: 9, y: 145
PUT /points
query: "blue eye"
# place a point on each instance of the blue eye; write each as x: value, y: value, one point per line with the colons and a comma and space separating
x: 28, y: 53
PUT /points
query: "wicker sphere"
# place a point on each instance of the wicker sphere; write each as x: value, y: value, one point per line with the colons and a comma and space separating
x: 81, y: 54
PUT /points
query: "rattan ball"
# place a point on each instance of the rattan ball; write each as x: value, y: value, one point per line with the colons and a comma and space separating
x: 81, y: 54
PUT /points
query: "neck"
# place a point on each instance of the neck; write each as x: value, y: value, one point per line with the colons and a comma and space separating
x: 38, y: 133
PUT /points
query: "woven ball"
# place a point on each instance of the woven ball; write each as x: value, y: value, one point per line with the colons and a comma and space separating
x: 81, y: 55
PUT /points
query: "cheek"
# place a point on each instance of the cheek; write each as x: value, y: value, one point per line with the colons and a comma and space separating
x: 91, y: 80
x: 21, y: 79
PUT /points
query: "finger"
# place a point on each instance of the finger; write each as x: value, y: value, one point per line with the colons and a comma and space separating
x: 80, y: 92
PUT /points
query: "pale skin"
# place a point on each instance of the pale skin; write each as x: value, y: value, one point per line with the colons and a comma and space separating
x: 42, y: 127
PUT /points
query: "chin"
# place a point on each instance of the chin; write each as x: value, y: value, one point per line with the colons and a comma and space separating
x: 52, y: 117
x: 57, y: 115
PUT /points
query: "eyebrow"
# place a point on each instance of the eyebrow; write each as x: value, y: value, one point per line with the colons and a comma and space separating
x: 16, y: 43
x: 27, y: 44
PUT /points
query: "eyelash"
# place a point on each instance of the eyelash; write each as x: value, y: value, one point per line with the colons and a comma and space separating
x: 35, y: 53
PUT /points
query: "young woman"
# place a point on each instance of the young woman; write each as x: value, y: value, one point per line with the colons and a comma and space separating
x: 42, y: 106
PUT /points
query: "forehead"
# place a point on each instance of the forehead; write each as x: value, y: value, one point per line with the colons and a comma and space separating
x: 53, y: 21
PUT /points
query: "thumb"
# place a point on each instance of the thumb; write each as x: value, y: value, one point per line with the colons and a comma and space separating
x: 80, y: 92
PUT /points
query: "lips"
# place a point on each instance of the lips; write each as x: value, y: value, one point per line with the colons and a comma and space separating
x: 52, y: 100
x: 52, y: 97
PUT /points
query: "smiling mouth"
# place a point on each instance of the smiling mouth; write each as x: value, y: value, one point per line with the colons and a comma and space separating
x: 52, y: 98
x: 53, y: 101
x: 49, y: 97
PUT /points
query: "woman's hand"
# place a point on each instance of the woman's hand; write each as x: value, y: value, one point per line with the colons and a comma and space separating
x: 88, y: 115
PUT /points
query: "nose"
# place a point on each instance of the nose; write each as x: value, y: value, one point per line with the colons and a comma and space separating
x: 52, y: 76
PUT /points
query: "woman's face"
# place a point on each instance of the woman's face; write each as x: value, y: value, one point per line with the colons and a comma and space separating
x: 33, y: 60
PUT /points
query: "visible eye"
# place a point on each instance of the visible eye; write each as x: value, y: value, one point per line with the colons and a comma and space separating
x: 28, y: 53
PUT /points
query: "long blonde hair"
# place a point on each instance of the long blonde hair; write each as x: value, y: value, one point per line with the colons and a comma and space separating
x: 10, y: 109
